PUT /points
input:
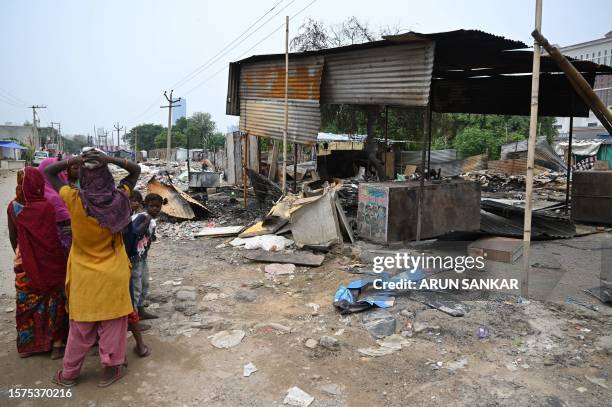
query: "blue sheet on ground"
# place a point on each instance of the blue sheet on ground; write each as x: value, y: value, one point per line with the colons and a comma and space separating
x: 360, y: 295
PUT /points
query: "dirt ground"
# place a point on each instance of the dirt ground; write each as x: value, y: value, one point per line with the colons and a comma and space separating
x: 541, y: 353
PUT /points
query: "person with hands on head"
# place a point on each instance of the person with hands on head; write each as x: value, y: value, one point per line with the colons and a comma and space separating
x: 98, y: 272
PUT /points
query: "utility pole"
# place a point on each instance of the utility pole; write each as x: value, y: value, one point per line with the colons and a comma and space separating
x: 171, y: 104
x: 118, y: 129
x: 106, y: 140
x: 36, y: 141
x: 60, y: 144
x: 136, y: 145
x: 53, y: 136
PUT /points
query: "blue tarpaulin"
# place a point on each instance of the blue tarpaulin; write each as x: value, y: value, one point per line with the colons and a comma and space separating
x: 11, y: 144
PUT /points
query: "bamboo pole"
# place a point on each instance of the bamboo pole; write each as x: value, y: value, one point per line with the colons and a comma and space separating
x: 533, y: 129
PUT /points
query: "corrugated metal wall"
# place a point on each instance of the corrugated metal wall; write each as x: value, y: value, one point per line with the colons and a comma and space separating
x: 394, y: 75
x: 262, y: 94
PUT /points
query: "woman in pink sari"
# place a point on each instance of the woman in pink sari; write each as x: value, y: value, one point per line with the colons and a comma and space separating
x: 62, y: 216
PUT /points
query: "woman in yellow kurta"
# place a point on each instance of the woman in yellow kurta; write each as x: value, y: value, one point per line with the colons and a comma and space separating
x: 98, y: 274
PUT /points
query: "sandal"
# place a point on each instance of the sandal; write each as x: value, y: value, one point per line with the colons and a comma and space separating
x: 144, y: 354
x: 58, y: 379
x: 118, y: 372
x: 57, y: 352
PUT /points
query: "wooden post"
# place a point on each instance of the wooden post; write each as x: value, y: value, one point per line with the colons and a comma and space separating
x: 295, y: 160
x: 422, y: 179
x: 286, y: 130
x: 386, y: 138
x: 245, y: 164
x: 569, y: 160
x: 273, y: 161
x: 533, y: 128
x: 429, y: 144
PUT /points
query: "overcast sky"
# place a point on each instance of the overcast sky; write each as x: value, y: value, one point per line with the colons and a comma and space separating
x: 99, y: 62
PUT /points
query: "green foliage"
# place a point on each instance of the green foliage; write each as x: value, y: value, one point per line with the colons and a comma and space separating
x: 474, y: 140
x: 28, y: 154
x: 215, y: 142
x: 199, y: 129
x: 146, y: 135
x: 178, y: 139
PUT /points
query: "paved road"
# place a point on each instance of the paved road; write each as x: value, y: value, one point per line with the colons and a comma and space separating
x: 7, y: 193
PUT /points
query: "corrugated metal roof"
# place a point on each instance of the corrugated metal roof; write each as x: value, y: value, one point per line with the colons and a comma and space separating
x: 507, y: 95
x: 545, y: 155
x: 266, y: 118
x: 398, y: 75
x: 458, y: 167
x: 500, y: 219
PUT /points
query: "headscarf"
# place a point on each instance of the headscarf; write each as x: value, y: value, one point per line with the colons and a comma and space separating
x: 43, y: 257
x: 102, y: 200
x: 61, y: 212
x: 19, y: 188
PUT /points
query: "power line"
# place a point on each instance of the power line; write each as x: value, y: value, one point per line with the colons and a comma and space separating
x: 14, y: 98
x: 220, y: 54
x: 9, y: 101
x: 249, y: 50
x: 195, y: 72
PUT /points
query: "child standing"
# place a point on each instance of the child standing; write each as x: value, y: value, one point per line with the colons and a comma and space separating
x: 144, y: 229
x: 129, y: 237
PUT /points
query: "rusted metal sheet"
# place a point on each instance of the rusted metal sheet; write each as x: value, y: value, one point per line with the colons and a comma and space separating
x: 266, y: 118
x: 262, y: 99
x: 179, y: 205
x: 394, y: 75
x: 266, y: 80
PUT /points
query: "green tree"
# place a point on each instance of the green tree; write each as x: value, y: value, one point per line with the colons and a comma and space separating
x: 146, y: 135
x: 178, y: 139
x: 474, y: 140
x: 200, y: 130
x: 215, y: 142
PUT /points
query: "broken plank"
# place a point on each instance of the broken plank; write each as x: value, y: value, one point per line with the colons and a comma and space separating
x: 344, y: 223
x: 219, y: 231
x: 298, y: 258
x: 264, y: 227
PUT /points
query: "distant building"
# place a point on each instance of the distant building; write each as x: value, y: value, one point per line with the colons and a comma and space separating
x: 179, y: 111
x: 23, y: 134
x: 598, y: 51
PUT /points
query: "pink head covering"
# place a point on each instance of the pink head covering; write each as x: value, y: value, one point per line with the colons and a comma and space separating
x: 61, y: 212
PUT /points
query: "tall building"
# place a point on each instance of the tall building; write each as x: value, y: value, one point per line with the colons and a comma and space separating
x: 598, y: 51
x: 179, y: 111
